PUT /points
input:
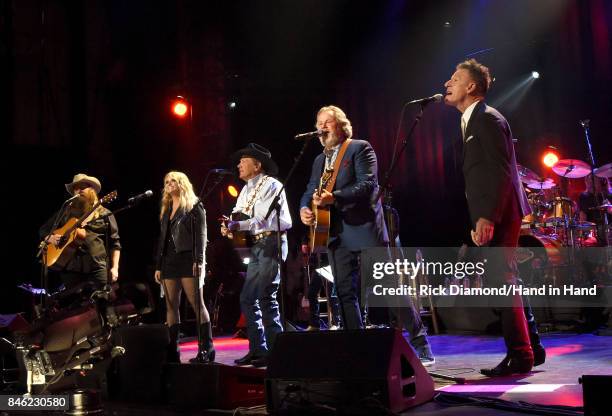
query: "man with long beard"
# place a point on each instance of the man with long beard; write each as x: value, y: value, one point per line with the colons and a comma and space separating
x: 356, y: 217
x: 91, y: 261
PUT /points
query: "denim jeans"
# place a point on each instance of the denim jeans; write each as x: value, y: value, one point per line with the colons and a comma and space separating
x: 258, y: 297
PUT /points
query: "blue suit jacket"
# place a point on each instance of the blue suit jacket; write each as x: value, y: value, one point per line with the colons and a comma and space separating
x: 356, y: 217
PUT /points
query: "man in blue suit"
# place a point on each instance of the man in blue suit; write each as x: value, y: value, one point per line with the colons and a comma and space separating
x: 356, y: 216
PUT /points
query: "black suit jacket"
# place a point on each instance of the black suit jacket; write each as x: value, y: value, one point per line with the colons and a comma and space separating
x: 356, y: 217
x: 492, y: 185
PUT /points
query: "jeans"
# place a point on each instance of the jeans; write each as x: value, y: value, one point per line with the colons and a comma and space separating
x: 258, y: 297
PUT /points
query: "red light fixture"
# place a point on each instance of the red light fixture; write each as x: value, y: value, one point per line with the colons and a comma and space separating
x: 550, y: 158
x: 180, y: 106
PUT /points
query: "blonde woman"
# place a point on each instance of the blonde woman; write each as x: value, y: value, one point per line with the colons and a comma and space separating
x: 175, y: 267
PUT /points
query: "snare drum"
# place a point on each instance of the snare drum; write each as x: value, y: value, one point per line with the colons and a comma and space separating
x: 562, y: 209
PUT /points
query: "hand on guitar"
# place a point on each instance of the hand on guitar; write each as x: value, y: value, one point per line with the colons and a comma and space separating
x: 323, y: 199
x: 53, y: 239
x: 226, y: 229
x: 307, y: 216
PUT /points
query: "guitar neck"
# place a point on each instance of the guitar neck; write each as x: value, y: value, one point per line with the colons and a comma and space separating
x: 84, y: 216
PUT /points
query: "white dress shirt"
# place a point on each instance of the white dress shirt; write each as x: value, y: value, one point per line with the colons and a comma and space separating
x: 257, y: 223
x: 465, y: 117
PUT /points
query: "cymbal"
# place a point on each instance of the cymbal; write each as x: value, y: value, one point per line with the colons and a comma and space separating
x: 603, y: 207
x: 541, y: 184
x: 583, y: 225
x: 526, y: 175
x: 571, y: 168
x: 604, y: 171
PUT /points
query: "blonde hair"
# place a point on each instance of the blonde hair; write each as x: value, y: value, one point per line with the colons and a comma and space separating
x: 187, y: 198
x: 341, y: 118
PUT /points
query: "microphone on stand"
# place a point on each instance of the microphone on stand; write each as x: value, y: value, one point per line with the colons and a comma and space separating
x: 423, y: 101
x: 310, y: 135
x: 69, y: 200
x: 135, y: 199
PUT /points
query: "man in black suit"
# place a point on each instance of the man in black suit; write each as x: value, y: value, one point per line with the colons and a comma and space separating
x: 496, y: 202
x: 356, y: 216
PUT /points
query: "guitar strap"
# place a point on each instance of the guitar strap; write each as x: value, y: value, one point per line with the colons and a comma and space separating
x: 330, y: 185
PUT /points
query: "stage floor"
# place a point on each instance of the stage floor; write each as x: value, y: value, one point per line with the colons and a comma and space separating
x: 554, y: 383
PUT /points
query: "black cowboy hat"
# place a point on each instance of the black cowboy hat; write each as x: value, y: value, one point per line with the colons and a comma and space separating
x: 263, y: 155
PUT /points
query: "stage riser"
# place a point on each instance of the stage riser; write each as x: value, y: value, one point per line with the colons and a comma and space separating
x: 215, y: 386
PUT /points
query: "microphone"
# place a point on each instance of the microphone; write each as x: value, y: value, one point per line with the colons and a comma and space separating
x: 434, y: 98
x: 222, y: 171
x: 135, y: 199
x: 310, y: 135
x: 69, y: 200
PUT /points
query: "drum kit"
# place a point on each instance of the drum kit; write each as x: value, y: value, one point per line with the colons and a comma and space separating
x: 554, y: 225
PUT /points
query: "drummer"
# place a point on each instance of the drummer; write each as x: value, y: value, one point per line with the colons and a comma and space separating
x: 588, y: 200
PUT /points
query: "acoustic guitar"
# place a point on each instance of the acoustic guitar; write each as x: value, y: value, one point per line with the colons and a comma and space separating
x: 57, y: 257
x: 240, y: 239
x: 319, y: 230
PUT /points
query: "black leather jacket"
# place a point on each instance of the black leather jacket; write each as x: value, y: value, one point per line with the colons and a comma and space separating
x: 180, y: 227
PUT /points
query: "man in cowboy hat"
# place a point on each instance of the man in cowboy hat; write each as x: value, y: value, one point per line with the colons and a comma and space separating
x: 91, y: 260
x: 258, y: 297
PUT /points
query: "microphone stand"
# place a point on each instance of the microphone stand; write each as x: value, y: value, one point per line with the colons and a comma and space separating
x: 109, y: 255
x: 275, y: 206
x: 200, y: 358
x: 44, y: 271
x: 387, y: 177
x: 596, y: 200
x: 384, y: 187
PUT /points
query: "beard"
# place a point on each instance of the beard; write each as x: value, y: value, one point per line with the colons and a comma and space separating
x: 330, y: 140
x: 83, y: 204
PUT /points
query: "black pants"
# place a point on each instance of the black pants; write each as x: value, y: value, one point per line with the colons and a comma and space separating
x: 345, y: 268
x: 313, y: 298
x: 72, y: 279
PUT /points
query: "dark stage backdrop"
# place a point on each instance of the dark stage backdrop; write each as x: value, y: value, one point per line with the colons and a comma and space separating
x: 86, y: 86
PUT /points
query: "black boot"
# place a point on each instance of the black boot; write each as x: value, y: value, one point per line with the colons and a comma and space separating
x: 539, y: 353
x: 173, y: 353
x: 206, y: 349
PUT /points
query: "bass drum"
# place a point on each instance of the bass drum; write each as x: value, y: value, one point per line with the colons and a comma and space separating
x: 542, y: 259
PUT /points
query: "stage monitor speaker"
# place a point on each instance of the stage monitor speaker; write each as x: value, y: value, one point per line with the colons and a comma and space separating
x: 213, y: 386
x: 595, y: 390
x: 346, y: 370
x: 137, y: 375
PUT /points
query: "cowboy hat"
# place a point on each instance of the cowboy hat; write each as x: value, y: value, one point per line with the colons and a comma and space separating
x: 263, y: 155
x: 81, y: 177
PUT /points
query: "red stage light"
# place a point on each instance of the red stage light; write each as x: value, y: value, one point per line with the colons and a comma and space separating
x: 231, y: 189
x: 179, y: 107
x: 550, y: 159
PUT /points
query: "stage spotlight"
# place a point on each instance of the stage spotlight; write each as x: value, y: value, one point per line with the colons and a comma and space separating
x: 550, y: 158
x: 246, y: 260
x: 231, y: 189
x: 232, y: 105
x: 180, y: 106
x: 535, y: 74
